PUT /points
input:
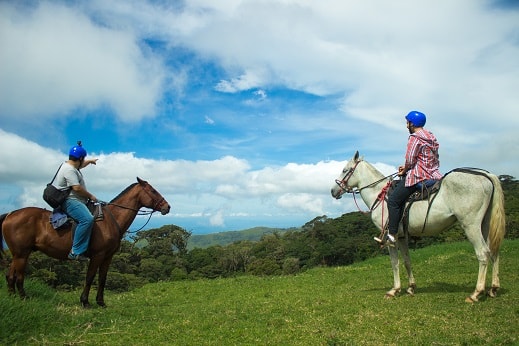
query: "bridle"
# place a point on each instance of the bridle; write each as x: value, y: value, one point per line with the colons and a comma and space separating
x: 343, y: 183
x: 156, y: 207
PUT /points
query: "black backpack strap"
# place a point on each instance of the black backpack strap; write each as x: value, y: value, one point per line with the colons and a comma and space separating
x: 55, y: 175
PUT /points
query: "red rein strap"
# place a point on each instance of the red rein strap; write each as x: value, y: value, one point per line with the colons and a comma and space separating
x: 381, y: 198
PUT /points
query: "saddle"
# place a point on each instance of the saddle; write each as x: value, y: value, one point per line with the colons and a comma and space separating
x: 425, y: 193
x: 61, y: 221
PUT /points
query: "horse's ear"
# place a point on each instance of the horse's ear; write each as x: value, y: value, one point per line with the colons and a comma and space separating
x: 356, y: 156
x: 140, y: 181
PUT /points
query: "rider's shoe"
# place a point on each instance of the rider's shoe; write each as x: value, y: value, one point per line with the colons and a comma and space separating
x: 388, y: 240
x: 74, y: 257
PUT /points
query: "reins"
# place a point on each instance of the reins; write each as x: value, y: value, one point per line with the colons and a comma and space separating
x: 139, y: 213
x: 344, y: 187
x: 381, y: 196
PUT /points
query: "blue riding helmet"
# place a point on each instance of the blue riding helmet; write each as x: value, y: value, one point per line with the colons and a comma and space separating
x: 78, y: 152
x: 416, y: 118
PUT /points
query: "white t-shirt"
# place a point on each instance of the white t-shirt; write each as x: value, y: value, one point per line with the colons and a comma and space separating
x: 69, y: 176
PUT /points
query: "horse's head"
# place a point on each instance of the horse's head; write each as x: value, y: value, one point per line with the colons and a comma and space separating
x: 346, y: 180
x: 151, y: 198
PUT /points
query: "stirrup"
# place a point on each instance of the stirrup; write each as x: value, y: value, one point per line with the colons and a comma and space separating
x: 386, y: 241
x: 381, y: 237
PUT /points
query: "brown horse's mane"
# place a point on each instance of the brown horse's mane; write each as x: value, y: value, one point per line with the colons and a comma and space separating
x: 123, y: 192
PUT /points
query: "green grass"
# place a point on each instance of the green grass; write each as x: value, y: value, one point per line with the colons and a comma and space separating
x: 323, y: 306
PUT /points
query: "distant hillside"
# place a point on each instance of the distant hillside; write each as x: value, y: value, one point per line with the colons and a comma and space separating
x: 224, y: 238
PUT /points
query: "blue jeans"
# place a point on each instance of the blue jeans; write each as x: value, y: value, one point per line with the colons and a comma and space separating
x: 85, y: 220
x: 426, y: 183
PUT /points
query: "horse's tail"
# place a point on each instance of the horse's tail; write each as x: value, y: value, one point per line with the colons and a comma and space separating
x: 2, y: 218
x: 496, y: 212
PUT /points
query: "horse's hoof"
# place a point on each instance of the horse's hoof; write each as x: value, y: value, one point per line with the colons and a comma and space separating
x: 86, y: 305
x: 470, y: 300
x: 101, y: 304
x: 390, y: 294
x: 492, y: 292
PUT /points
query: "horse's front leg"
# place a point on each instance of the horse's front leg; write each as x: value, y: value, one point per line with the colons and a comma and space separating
x: 103, y: 271
x: 404, y: 250
x: 393, y: 255
x: 91, y: 273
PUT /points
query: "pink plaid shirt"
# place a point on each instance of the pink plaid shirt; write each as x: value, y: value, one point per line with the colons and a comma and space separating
x: 421, y: 158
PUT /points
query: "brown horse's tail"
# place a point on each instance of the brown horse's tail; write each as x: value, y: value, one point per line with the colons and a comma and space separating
x: 496, y: 213
x: 2, y: 218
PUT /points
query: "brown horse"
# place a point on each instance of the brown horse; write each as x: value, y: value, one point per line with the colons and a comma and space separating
x: 28, y: 229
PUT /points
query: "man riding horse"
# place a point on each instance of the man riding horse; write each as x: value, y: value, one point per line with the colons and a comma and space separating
x: 421, y: 168
x: 69, y: 176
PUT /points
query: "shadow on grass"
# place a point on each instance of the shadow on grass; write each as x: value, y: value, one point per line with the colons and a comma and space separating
x: 443, y: 287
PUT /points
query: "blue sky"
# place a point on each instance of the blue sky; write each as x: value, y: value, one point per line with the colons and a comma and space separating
x: 242, y: 113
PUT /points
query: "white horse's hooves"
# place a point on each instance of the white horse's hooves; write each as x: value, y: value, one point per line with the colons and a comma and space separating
x: 389, y: 296
x: 492, y: 292
x: 470, y: 300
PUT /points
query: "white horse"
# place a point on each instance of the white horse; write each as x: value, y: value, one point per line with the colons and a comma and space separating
x: 473, y: 199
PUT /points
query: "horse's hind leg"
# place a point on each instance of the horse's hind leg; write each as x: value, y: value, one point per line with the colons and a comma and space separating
x: 483, y: 254
x: 11, y: 279
x: 16, y: 276
x: 492, y: 292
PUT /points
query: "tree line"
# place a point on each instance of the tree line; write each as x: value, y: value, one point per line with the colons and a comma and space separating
x: 162, y: 255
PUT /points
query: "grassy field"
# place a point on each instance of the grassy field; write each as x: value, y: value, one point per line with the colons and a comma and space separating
x: 323, y: 306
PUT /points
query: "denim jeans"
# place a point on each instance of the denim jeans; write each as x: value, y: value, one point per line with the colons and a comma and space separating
x: 395, y: 204
x: 80, y: 213
x: 426, y: 183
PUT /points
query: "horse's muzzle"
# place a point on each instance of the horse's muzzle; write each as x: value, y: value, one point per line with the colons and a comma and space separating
x: 165, y: 209
x: 338, y: 194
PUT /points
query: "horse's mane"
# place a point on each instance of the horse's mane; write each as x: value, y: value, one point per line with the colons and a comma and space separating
x: 123, y: 192
x: 373, y: 169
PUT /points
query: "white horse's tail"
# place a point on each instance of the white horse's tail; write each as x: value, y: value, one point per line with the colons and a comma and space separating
x: 496, y: 213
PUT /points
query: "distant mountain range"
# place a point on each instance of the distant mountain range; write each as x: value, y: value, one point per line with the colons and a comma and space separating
x: 225, y: 238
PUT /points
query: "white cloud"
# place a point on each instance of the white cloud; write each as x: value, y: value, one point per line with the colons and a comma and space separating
x: 301, y: 201
x: 246, y: 81
x: 208, y: 120
x: 191, y: 187
x: 217, y: 219
x: 60, y: 60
